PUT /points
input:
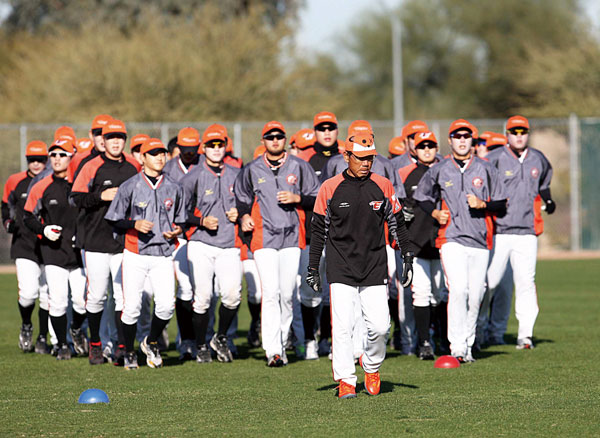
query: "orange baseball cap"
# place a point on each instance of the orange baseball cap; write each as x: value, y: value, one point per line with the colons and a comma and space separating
x: 260, y: 149
x: 423, y: 136
x: 360, y: 127
x: 413, y: 127
x: 496, y: 140
x: 151, y: 144
x: 64, y: 143
x: 188, y: 138
x: 65, y: 131
x: 397, y: 146
x: 517, y: 122
x: 272, y: 126
x: 114, y: 126
x: 138, y: 140
x: 305, y: 138
x: 36, y: 148
x: 361, y: 145
x: 324, y: 117
x: 83, y: 144
x: 486, y: 135
x: 100, y: 121
x: 214, y: 132
x: 460, y: 124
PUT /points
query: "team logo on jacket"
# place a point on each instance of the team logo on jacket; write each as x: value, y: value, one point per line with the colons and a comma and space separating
x: 168, y: 204
x: 508, y: 173
x: 142, y: 204
x: 261, y: 180
x: 208, y: 192
x: 376, y: 205
x: 291, y: 179
x: 23, y: 195
x: 477, y: 181
x: 53, y: 202
x: 231, y: 189
x: 107, y: 183
x: 535, y: 172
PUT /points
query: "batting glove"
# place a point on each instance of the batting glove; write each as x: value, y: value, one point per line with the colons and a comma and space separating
x: 52, y: 232
x: 407, y: 269
x: 550, y: 206
x: 10, y: 226
x: 313, y: 279
x: 409, y: 214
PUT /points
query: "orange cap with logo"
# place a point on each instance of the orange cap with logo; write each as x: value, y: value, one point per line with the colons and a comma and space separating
x: 100, y: 121
x: 423, y: 136
x: 215, y: 132
x: 65, y: 131
x: 114, y: 126
x: 496, y: 140
x: 83, y: 144
x: 460, y: 124
x: 360, y: 127
x: 486, y: 135
x: 188, y: 138
x: 272, y: 126
x: 64, y: 143
x: 138, y: 140
x: 361, y: 145
x: 517, y: 122
x: 324, y: 117
x: 397, y: 146
x: 36, y: 148
x: 413, y: 127
x: 151, y: 144
x: 305, y: 138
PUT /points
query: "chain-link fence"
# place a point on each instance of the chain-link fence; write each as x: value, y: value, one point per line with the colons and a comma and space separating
x: 572, y: 146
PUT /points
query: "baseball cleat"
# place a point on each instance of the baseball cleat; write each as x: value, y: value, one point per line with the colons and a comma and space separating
x: 186, y: 350
x: 372, y: 383
x: 312, y: 352
x: 64, y: 353
x: 150, y: 349
x: 130, y: 361
x: 95, y: 356
x: 253, y: 334
x: 275, y: 361
x: 26, y: 338
x: 41, y: 347
x: 345, y: 390
x: 80, y: 342
x: 118, y: 359
x: 203, y: 355
x: 219, y: 344
x: 524, y: 344
x: 426, y: 351
x: 107, y: 352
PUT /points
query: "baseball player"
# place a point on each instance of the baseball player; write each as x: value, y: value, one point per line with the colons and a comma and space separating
x: 214, y: 245
x: 95, y: 134
x: 469, y: 192
x: 25, y: 249
x: 428, y: 291
x: 93, y: 190
x: 272, y: 194
x: 49, y: 201
x: 188, y: 144
x: 348, y: 219
x: 525, y: 174
x: 150, y: 208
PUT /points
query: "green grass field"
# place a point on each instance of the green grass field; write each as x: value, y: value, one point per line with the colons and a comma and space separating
x: 553, y: 390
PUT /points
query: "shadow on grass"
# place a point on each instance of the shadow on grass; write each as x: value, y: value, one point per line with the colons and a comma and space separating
x: 511, y: 339
x: 386, y: 386
x: 486, y: 354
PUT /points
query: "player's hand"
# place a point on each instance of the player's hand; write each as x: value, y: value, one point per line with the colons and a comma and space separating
x: 52, y: 232
x: 247, y: 223
x: 144, y: 226
x: 232, y: 214
x: 109, y: 194
x: 409, y: 213
x: 313, y: 279
x: 475, y: 202
x: 10, y: 226
x: 210, y: 223
x: 441, y: 216
x: 284, y: 197
x: 174, y: 233
x: 549, y: 207
x: 407, y: 270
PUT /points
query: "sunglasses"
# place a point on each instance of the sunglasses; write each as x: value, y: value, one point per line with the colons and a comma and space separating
x: 272, y: 137
x: 517, y: 131
x: 426, y: 145
x: 214, y: 145
x: 60, y: 154
x: 325, y: 127
x: 37, y: 160
x: 463, y: 135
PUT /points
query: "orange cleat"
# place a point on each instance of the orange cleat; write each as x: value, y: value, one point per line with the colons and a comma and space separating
x: 345, y: 390
x: 372, y: 383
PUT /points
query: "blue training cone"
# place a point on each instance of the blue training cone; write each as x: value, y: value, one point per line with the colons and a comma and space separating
x: 93, y: 395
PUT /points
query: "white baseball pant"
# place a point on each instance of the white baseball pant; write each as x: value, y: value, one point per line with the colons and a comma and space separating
x: 160, y: 270
x: 521, y: 250
x: 206, y: 262
x: 408, y: 329
x: 252, y: 281
x: 101, y: 268
x: 277, y: 270
x: 428, y: 286
x: 31, y: 282
x: 376, y: 316
x: 464, y: 270
x: 145, y: 318
x: 59, y: 281
x: 182, y: 271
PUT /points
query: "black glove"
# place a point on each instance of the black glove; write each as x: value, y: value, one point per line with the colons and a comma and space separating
x: 313, y: 279
x: 409, y: 213
x: 550, y: 206
x: 10, y: 226
x: 407, y: 270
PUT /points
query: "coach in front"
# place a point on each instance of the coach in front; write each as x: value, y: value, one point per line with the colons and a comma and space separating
x: 349, y: 217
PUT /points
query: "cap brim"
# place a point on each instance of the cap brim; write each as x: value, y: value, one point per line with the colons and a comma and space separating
x: 274, y: 130
x: 363, y: 154
x: 188, y: 148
